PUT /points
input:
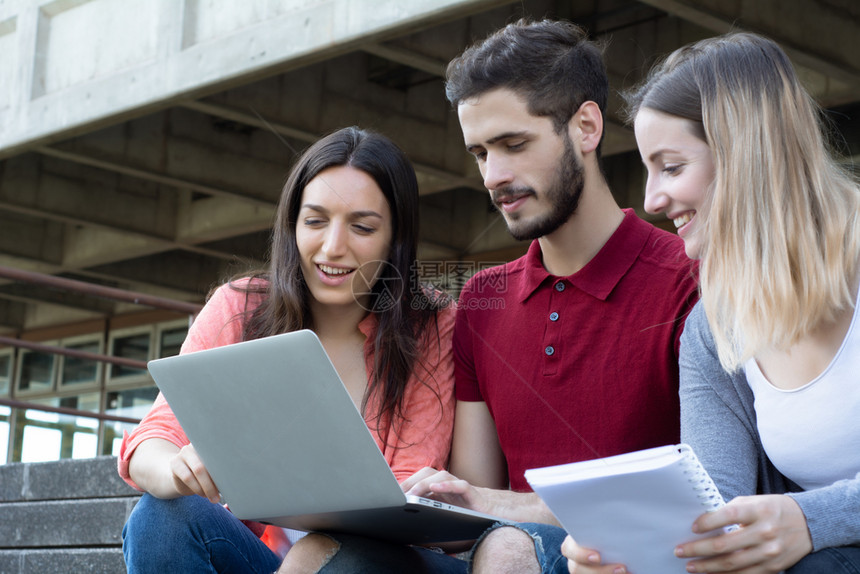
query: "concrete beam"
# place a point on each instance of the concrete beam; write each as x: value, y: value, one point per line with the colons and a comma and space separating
x: 85, y: 247
x: 186, y: 151
x: 181, y: 271
x: 814, y: 34
x: 73, y: 239
x: 25, y: 238
x: 407, y: 58
x: 79, y: 195
x: 150, y: 175
x: 433, y: 178
x: 216, y: 218
x: 12, y: 314
x: 66, y: 79
x: 95, y: 221
x: 34, y: 294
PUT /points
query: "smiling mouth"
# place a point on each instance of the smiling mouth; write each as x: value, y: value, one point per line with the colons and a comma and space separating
x: 334, y: 271
x: 683, y: 220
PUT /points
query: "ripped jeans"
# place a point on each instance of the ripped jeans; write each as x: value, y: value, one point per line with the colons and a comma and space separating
x: 547, y: 541
x: 361, y: 555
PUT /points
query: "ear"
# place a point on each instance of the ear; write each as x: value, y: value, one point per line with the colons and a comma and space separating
x: 588, y: 123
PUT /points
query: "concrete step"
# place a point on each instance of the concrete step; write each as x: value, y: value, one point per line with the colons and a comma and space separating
x: 63, y: 516
x: 62, y: 561
x: 64, y: 523
x: 62, y: 480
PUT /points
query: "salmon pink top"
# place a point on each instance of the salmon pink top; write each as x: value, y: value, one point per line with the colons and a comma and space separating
x: 422, y: 439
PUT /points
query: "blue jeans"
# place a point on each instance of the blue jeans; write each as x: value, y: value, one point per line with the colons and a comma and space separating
x: 191, y: 534
x: 359, y: 555
x: 362, y: 556
x: 547, y: 541
x: 841, y: 560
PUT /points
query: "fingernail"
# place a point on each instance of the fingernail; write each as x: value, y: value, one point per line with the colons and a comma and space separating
x: 594, y: 558
x: 691, y: 567
x: 679, y: 552
x: 619, y: 570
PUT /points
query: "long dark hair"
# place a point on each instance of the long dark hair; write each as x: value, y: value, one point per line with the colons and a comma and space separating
x: 403, y: 308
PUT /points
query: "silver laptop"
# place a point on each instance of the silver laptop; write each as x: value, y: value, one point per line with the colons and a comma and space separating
x: 286, y: 445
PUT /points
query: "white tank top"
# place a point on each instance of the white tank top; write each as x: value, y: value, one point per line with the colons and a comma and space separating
x: 812, y: 433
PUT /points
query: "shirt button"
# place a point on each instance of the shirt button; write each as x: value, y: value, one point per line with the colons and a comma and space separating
x: 549, y: 350
x: 559, y: 286
x: 553, y: 316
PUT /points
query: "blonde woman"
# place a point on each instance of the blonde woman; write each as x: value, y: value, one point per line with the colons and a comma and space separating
x: 770, y: 392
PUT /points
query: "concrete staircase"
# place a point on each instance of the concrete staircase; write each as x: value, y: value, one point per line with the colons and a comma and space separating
x: 63, y: 517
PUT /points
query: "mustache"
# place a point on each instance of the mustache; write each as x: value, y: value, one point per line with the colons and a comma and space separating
x: 504, y: 194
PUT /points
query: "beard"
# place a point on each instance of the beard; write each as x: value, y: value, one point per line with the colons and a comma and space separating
x: 562, y: 195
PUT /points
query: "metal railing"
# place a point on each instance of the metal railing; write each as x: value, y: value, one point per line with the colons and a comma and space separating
x: 100, y: 291
x: 93, y: 290
x: 122, y: 361
x: 15, y: 404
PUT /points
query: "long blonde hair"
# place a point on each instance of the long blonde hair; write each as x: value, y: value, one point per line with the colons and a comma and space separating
x: 781, y: 235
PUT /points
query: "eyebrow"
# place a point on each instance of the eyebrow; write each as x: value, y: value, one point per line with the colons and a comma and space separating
x: 661, y: 152
x: 497, y: 138
x: 353, y: 214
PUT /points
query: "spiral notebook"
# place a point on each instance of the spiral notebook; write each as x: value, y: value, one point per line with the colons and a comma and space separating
x: 633, y: 508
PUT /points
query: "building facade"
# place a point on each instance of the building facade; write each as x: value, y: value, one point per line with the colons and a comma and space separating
x: 144, y: 144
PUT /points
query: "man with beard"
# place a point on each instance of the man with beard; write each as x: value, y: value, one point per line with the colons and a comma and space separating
x: 570, y: 352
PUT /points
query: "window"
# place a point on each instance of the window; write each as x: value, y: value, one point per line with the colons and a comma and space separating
x: 57, y: 380
x: 170, y: 338
x: 35, y: 372
x: 5, y: 413
x: 131, y: 403
x: 43, y: 436
x: 79, y: 372
x: 6, y: 360
x: 41, y: 442
x: 130, y: 344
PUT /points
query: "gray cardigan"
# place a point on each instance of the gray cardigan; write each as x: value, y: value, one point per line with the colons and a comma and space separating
x: 718, y: 420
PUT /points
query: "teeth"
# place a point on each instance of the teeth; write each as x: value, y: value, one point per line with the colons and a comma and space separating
x: 682, y: 219
x: 333, y: 270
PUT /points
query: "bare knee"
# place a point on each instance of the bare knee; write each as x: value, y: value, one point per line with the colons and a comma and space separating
x: 506, y: 550
x: 309, y: 554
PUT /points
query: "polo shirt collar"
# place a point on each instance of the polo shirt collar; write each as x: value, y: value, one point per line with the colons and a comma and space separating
x: 600, y: 275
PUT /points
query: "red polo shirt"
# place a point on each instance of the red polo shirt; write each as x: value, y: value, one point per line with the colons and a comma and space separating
x: 579, y: 367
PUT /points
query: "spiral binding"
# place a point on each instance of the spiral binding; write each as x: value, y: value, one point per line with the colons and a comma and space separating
x: 704, y: 486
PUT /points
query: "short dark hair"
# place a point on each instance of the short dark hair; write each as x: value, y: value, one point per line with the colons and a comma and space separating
x: 550, y: 63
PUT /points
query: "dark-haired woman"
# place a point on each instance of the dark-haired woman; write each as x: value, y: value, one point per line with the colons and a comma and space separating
x: 343, y: 265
